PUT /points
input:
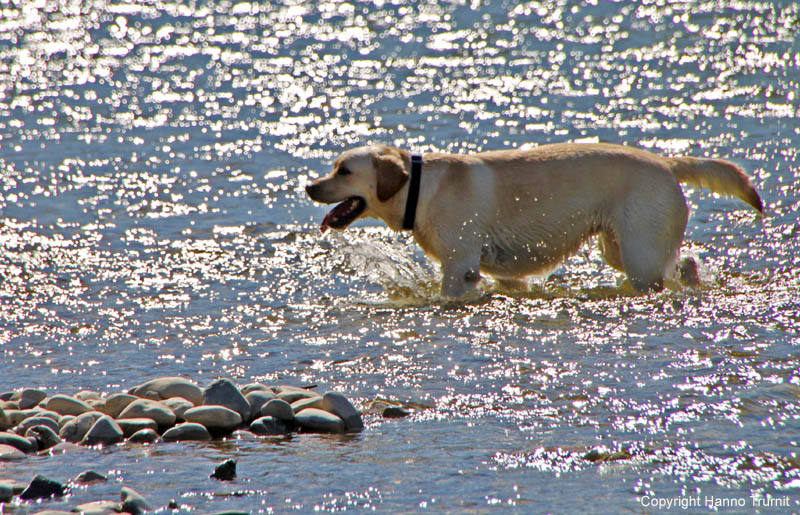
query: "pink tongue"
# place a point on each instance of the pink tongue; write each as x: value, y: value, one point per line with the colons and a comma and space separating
x: 326, y: 221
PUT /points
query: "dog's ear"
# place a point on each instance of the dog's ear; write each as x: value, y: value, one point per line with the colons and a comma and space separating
x: 391, y: 173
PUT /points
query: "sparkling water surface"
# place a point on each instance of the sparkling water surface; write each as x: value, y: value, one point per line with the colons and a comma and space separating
x: 153, y: 222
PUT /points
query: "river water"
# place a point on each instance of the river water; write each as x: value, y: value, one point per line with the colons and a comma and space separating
x: 153, y: 223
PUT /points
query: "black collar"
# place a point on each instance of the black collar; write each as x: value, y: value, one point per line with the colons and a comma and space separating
x: 413, y: 192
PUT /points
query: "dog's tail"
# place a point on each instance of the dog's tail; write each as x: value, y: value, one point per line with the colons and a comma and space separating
x: 717, y: 175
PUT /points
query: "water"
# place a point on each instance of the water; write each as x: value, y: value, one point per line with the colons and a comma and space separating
x: 153, y: 222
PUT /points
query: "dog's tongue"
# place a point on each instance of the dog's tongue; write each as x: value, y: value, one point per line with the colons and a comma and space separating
x: 326, y: 222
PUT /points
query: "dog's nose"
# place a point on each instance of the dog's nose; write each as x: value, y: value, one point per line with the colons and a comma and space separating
x: 311, y: 189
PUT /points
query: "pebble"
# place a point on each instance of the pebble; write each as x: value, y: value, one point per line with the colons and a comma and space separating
x: 42, y: 487
x: 44, y: 436
x: 31, y: 397
x: 36, y: 421
x: 105, y: 431
x: 166, y: 387
x: 178, y: 405
x: 74, y: 430
x: 225, y: 471
x: 15, y: 440
x: 117, y: 402
x: 339, y: 405
x: 144, y: 436
x: 188, y: 431
x: 223, y: 392
x: 214, y: 418
x: 268, y: 426
x: 256, y: 399
x: 66, y: 405
x: 132, y: 425
x: 133, y: 502
x: 318, y: 420
x: 10, y: 453
x: 145, y: 408
x: 279, y: 409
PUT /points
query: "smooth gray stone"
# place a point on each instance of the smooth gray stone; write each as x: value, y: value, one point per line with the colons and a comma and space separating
x: 16, y: 416
x: 132, y: 425
x: 104, y: 432
x: 145, y: 408
x: 42, y: 487
x: 214, y: 418
x: 36, y: 421
x: 308, y: 402
x: 98, y: 508
x: 31, y: 397
x: 339, y: 405
x: 10, y: 453
x: 66, y: 405
x: 15, y: 440
x: 188, y: 431
x: 292, y: 394
x: 256, y: 399
x: 5, y: 422
x: 254, y: 387
x: 118, y: 402
x: 75, y: 430
x: 146, y: 435
x: 268, y: 426
x: 45, y: 437
x: 319, y: 421
x: 279, y: 409
x: 87, y: 395
x: 133, y: 502
x: 166, y: 387
x: 178, y: 405
x: 223, y: 392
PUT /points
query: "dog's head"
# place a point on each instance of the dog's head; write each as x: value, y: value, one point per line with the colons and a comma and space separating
x: 363, y: 179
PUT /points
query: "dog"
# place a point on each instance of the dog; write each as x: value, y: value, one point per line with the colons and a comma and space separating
x: 517, y: 213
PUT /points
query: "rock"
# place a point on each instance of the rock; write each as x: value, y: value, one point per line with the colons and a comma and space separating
x: 254, y: 387
x: 217, y: 419
x: 292, y: 394
x: 5, y: 423
x: 256, y: 399
x: 132, y: 425
x: 66, y: 405
x: 105, y: 431
x: 226, y: 471
x: 63, y: 447
x: 178, y: 405
x: 144, y: 436
x: 85, y: 395
x: 10, y: 453
x: 45, y: 437
x: 308, y: 402
x: 16, y: 416
x: 268, y: 426
x: 279, y: 409
x: 6, y: 396
x: 395, y: 412
x: 31, y: 397
x: 6, y: 492
x: 42, y: 487
x: 90, y: 476
x: 15, y: 440
x: 75, y: 430
x: 64, y: 420
x: 98, y: 508
x: 241, y: 434
x: 339, y: 405
x: 117, y: 402
x: 36, y: 421
x: 97, y: 404
x: 133, y: 502
x: 144, y: 408
x: 188, y: 431
x: 166, y: 387
x: 223, y: 392
x: 319, y: 421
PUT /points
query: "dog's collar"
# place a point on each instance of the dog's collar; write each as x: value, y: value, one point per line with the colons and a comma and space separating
x: 413, y: 192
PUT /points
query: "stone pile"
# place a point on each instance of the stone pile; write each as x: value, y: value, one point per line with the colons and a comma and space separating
x: 167, y: 409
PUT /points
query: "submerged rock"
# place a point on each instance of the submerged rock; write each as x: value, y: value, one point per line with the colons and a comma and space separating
x: 268, y: 426
x: 319, y: 421
x: 90, y: 476
x: 133, y: 502
x: 10, y: 453
x: 188, y: 431
x: 144, y: 436
x: 226, y: 471
x: 132, y: 425
x: 42, y: 487
x: 395, y: 412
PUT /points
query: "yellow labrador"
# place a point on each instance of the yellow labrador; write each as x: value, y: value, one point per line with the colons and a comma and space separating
x: 516, y: 213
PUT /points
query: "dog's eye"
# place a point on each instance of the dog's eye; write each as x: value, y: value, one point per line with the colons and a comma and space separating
x: 344, y: 171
